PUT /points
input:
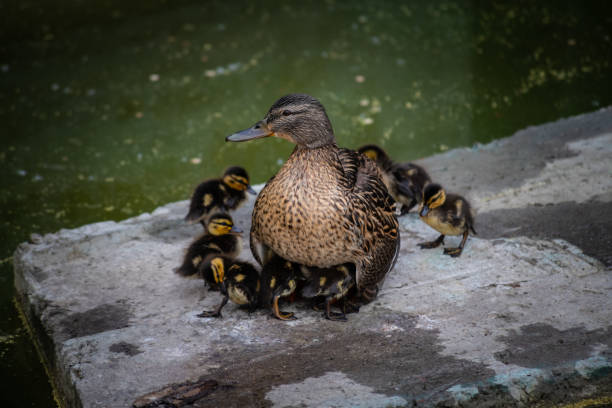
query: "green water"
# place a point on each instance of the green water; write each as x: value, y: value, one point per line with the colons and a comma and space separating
x: 109, y: 108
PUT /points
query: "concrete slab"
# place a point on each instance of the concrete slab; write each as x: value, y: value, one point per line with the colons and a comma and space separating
x: 522, y: 317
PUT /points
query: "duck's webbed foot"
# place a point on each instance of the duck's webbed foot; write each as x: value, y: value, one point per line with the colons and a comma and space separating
x: 276, y: 312
x: 432, y: 244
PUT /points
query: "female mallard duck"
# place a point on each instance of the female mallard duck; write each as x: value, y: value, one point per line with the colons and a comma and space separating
x: 221, y: 237
x: 327, y: 205
x: 405, y: 181
x: 279, y: 279
x: 331, y: 283
x: 223, y: 194
x: 449, y: 214
x: 237, y: 281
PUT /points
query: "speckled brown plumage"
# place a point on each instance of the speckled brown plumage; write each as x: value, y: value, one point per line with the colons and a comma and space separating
x: 327, y: 205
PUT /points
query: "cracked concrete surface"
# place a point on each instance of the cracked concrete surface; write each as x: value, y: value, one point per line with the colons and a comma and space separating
x: 522, y: 317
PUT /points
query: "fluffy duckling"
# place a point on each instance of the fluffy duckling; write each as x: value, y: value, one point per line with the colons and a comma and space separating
x: 237, y: 281
x: 405, y: 181
x: 279, y: 279
x: 332, y: 283
x: 223, y: 194
x: 221, y: 237
x: 449, y: 214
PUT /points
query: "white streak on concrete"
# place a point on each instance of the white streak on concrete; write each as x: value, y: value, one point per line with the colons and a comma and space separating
x: 333, y: 389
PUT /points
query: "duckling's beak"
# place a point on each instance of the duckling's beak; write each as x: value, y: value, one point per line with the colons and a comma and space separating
x: 235, y: 229
x: 257, y: 131
x: 424, y: 211
x: 251, y: 190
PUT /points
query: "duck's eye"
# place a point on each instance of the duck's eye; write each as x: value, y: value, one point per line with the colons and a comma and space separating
x: 286, y: 113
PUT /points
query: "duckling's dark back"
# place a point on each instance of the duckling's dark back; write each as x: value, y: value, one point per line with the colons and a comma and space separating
x: 207, y: 196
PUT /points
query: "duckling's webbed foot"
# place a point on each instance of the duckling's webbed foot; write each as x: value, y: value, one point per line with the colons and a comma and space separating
x: 210, y: 313
x: 276, y: 312
x: 216, y: 312
x: 454, y: 252
x: 335, y: 316
x: 432, y: 244
x: 318, y: 306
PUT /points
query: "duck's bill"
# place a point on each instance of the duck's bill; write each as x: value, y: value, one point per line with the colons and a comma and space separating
x: 259, y: 130
x: 424, y: 211
x: 251, y: 190
x: 236, y: 230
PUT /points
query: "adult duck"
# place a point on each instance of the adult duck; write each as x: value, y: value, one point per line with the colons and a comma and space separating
x: 327, y: 205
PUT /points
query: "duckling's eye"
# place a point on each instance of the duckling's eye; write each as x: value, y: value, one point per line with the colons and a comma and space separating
x: 286, y: 113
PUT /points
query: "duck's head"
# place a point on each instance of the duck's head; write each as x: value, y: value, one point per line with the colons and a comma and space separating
x: 299, y: 118
x: 375, y: 153
x: 237, y: 179
x: 433, y: 196
x: 221, y: 224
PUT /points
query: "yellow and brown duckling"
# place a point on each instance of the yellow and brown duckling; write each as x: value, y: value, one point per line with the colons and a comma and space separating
x: 405, y: 181
x: 221, y: 237
x: 237, y: 281
x: 327, y: 205
x: 449, y: 214
x: 331, y: 283
x: 279, y: 279
x: 223, y: 194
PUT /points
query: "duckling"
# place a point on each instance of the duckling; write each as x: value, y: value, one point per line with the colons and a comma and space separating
x: 332, y: 283
x: 279, y: 279
x: 224, y: 194
x: 327, y: 205
x: 449, y: 214
x: 405, y: 181
x: 237, y: 281
x: 221, y: 237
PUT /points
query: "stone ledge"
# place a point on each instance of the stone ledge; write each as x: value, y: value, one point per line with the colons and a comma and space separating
x: 517, y: 319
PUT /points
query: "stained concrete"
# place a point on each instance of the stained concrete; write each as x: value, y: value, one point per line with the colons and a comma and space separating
x: 523, y: 317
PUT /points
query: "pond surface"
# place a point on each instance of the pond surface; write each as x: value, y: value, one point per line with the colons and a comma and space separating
x: 109, y: 108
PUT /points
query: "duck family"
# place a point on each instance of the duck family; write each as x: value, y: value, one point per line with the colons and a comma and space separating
x: 324, y: 227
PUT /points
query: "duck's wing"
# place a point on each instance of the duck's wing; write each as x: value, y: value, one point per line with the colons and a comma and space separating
x: 372, y: 217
